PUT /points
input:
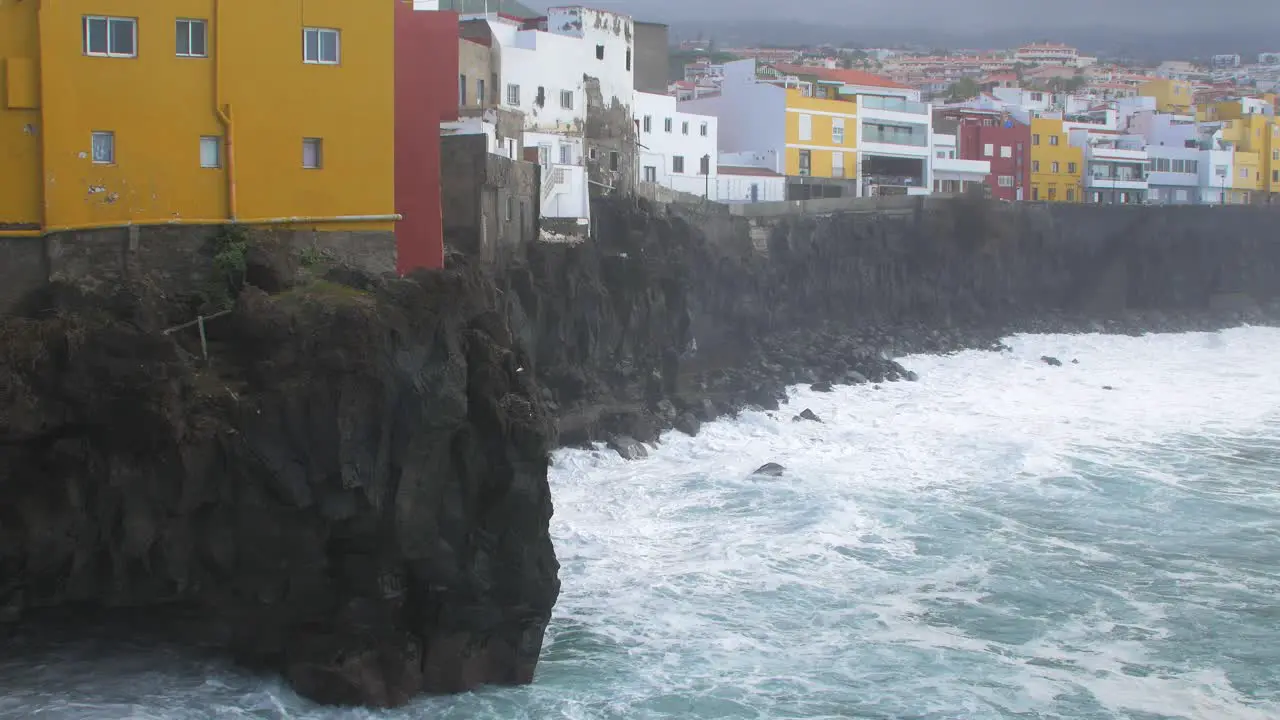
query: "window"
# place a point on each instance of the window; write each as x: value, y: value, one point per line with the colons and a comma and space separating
x: 193, y: 38
x: 677, y: 164
x: 1055, y: 168
x: 1006, y: 181
x: 1037, y: 97
x: 592, y: 153
x: 806, y: 127
x: 942, y: 155
x: 666, y: 124
x: 613, y: 160
x: 704, y: 165
x: 320, y: 46
x: 628, y: 58
x: 650, y: 173
x: 1071, y: 195
x: 599, y: 52
x: 1071, y: 168
x: 1006, y: 151
x: 648, y: 123
x: 988, y: 150
x: 312, y: 153
x: 104, y: 148
x: 684, y: 128
x: 210, y: 152
x: 462, y: 89
x: 806, y: 162
x: 704, y: 129
x: 1275, y: 176
x: 566, y: 155
x: 566, y: 99
x: 1244, y: 173
x: 1035, y: 139
x: 480, y: 96
x: 513, y: 95
x: 541, y: 98
x: 837, y: 164
x: 511, y: 207
x: 1035, y: 166
x: 1053, y: 194
x: 1275, y: 155
x: 110, y: 36
x: 1053, y: 139
x: 837, y: 131
x: 1035, y: 193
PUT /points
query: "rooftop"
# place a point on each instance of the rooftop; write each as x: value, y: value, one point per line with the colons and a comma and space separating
x: 741, y: 170
x: 848, y: 77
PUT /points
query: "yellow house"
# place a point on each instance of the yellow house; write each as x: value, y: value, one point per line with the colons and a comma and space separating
x: 117, y: 112
x: 1248, y: 176
x: 821, y: 137
x: 1057, y: 168
x: 1172, y: 96
x: 1257, y: 138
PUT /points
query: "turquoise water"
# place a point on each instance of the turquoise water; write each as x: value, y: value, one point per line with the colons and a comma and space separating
x: 1002, y: 539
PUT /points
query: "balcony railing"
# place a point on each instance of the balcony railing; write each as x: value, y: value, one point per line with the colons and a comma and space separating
x: 893, y: 104
x: 895, y: 136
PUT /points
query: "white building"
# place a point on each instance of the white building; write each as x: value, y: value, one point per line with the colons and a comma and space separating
x: 1225, y: 61
x: 1115, y: 167
x: 552, y: 75
x: 677, y: 150
x: 745, y: 184
x: 1048, y: 54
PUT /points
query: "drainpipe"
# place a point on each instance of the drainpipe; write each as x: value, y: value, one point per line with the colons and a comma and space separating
x: 224, y: 115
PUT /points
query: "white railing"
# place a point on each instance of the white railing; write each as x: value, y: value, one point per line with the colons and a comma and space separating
x: 554, y: 181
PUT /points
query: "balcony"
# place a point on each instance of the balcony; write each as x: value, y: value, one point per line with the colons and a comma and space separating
x: 891, y: 104
x: 914, y: 136
x: 955, y: 168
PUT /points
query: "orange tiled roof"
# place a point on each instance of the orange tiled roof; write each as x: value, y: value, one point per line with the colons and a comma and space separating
x: 848, y: 77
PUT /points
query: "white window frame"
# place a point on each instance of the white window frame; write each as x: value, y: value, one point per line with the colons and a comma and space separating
x: 191, y: 24
x: 566, y: 99
x: 648, y: 123
x: 513, y: 94
x: 108, y: 20
x: 837, y: 164
x: 566, y: 154
x: 214, y: 141
x: 988, y: 150
x: 837, y: 131
x: 110, y: 138
x: 806, y: 127
x: 320, y: 34
x: 677, y: 164
x: 318, y: 144
x: 667, y: 124
x: 1006, y: 151
x: 1006, y: 181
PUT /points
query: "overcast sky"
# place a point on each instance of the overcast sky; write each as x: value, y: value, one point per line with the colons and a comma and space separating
x: 964, y: 15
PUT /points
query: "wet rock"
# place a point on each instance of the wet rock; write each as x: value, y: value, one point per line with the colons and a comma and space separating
x: 688, y: 424
x: 821, y: 387
x: 628, y: 447
x: 808, y: 415
x: 1050, y: 361
x: 910, y: 376
x: 1107, y: 387
x: 770, y: 470
x: 1075, y: 362
x: 854, y: 377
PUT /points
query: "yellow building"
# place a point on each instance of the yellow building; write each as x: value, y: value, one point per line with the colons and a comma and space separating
x: 120, y: 112
x: 1172, y: 96
x: 1253, y: 135
x: 822, y: 137
x: 1057, y: 168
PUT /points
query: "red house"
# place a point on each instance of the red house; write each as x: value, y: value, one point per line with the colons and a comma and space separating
x: 426, y: 89
x: 996, y: 137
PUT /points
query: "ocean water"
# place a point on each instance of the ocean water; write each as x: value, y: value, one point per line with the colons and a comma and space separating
x: 1002, y: 539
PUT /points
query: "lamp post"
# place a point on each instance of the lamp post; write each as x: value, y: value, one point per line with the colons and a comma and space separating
x: 706, y: 177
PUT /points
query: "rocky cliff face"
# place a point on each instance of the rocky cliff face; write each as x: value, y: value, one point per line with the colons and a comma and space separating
x: 352, y: 491
x: 678, y: 314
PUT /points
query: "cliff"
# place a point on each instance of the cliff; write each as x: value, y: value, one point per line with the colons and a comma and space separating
x: 680, y: 313
x: 352, y: 491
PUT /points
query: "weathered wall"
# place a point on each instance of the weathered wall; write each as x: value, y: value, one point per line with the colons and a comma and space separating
x: 653, y: 62
x: 478, y: 72
x: 610, y: 137
x: 174, y: 261
x: 491, y: 202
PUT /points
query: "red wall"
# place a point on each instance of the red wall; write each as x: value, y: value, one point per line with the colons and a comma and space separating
x: 426, y: 94
x: 973, y: 136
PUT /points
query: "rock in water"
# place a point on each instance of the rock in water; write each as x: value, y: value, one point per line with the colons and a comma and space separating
x: 809, y: 415
x: 822, y: 387
x: 1050, y: 361
x: 911, y: 376
x: 770, y: 470
x: 353, y: 492
x: 688, y: 424
x: 628, y: 447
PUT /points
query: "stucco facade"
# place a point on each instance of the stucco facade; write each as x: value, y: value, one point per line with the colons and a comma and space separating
x: 87, y: 150
x: 678, y: 150
x: 1057, y: 167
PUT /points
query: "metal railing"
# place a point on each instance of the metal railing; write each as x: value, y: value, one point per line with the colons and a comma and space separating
x: 893, y: 104
x: 915, y: 137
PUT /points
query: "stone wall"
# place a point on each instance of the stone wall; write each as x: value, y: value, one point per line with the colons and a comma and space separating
x: 491, y: 203
x: 173, y: 260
